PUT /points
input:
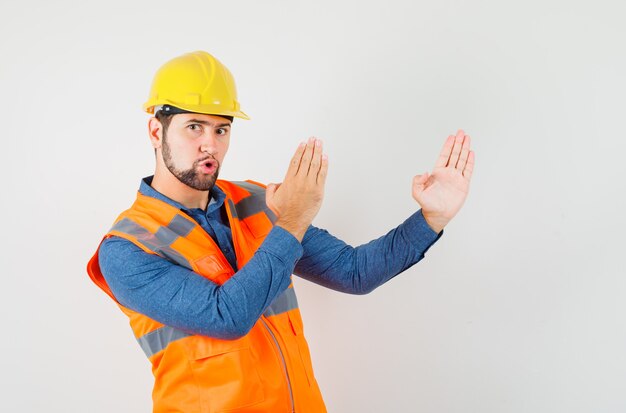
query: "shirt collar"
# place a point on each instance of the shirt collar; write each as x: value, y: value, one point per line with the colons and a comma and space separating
x: 216, y: 199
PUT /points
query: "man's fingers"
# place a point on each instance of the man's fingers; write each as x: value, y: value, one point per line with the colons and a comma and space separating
x: 294, y: 165
x: 444, y: 156
x: 456, y: 149
x: 323, y: 171
x: 316, y: 159
x: 465, y: 149
x: 305, y: 162
x: 469, y: 166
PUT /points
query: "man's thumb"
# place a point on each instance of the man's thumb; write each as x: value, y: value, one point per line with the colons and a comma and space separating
x: 270, y: 189
x: 420, y: 179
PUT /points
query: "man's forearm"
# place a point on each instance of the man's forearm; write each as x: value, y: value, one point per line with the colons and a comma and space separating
x: 334, y: 264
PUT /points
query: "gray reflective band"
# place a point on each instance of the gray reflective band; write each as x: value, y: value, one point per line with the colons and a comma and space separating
x: 181, y: 226
x: 159, y: 242
x: 283, y: 303
x: 252, y: 188
x: 253, y: 204
x: 233, y: 210
x: 166, y: 236
x: 272, y: 217
x: 250, y: 206
x: 157, y: 340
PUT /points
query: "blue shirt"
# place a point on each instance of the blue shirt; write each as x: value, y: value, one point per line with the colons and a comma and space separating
x: 181, y: 298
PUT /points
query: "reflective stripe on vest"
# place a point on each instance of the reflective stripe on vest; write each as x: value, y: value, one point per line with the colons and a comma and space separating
x: 283, y: 303
x: 253, y: 204
x: 161, y: 241
x: 156, y: 340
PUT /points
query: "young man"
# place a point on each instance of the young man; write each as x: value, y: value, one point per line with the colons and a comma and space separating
x: 202, y: 267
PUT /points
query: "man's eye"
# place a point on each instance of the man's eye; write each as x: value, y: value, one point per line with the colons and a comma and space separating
x: 194, y: 126
x: 221, y: 131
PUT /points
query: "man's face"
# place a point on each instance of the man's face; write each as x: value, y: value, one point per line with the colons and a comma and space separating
x: 194, y: 147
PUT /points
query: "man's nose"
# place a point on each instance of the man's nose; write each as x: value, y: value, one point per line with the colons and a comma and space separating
x: 209, y: 143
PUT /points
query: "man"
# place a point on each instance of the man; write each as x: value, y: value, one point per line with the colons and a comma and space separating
x: 202, y: 267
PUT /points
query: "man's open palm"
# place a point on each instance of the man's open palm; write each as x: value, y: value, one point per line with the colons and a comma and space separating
x: 442, y: 193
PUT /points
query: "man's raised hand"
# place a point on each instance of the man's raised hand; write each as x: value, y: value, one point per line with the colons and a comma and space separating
x: 297, y: 200
x: 442, y: 193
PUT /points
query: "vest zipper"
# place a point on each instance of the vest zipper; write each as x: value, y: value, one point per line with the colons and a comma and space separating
x: 282, y: 357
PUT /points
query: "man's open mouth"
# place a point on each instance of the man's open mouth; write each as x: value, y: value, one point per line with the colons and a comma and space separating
x: 208, y: 166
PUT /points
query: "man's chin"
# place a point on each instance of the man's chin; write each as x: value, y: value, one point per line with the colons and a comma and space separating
x: 197, y: 184
x: 205, y: 184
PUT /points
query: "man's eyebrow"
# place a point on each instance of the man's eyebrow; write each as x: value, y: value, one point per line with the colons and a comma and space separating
x: 206, y: 122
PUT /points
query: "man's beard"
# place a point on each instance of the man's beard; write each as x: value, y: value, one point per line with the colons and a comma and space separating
x: 190, y: 177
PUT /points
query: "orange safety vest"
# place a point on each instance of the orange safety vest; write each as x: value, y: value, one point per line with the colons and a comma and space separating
x: 267, y: 370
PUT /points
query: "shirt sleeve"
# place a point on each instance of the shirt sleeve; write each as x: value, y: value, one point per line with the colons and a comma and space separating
x: 332, y: 263
x: 178, y: 297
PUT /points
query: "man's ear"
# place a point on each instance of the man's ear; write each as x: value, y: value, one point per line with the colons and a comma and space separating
x: 155, y: 132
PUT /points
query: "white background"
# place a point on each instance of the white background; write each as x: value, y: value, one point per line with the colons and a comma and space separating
x: 518, y: 308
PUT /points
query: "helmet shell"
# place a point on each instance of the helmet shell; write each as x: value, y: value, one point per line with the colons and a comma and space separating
x: 196, y: 82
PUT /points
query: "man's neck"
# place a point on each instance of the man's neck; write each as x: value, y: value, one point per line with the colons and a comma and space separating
x: 171, y: 187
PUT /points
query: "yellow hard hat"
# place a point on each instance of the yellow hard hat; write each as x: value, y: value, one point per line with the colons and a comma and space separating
x: 195, y: 82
